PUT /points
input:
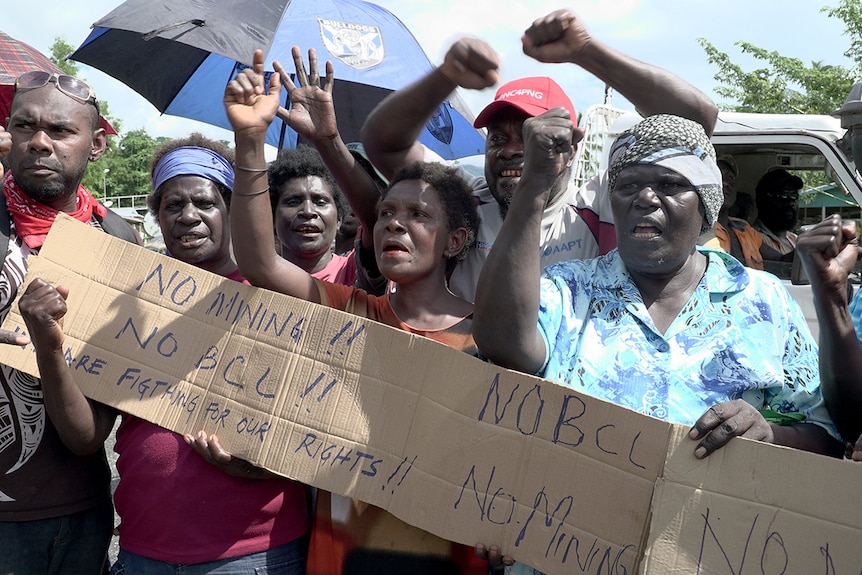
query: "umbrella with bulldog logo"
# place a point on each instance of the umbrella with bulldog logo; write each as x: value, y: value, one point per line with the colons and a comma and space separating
x: 180, y: 55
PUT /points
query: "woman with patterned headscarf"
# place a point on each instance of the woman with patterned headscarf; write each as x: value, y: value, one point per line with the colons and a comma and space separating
x: 660, y: 325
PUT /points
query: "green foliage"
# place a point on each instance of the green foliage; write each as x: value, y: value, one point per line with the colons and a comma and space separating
x: 787, y: 85
x: 59, y: 50
x: 128, y: 163
x: 850, y: 12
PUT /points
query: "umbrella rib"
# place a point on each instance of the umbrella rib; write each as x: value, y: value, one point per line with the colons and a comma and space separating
x: 154, y: 33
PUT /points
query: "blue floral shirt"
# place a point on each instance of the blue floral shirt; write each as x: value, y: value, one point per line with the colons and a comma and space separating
x: 740, y: 335
x: 856, y: 312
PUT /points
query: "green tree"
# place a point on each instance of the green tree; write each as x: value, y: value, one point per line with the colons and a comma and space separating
x: 132, y: 157
x: 787, y: 85
x: 850, y: 13
x: 59, y: 50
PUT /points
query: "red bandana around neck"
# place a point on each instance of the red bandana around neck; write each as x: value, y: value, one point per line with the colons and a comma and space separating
x: 33, y: 220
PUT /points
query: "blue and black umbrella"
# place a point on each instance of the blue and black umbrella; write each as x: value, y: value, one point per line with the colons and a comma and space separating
x: 180, y: 55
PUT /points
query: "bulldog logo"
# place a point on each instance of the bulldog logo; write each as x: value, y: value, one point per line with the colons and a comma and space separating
x: 359, y: 46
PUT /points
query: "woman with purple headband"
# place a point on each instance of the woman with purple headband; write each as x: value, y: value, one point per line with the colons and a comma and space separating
x: 181, y: 512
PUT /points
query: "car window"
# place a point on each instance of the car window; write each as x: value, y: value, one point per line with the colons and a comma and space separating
x: 820, y: 196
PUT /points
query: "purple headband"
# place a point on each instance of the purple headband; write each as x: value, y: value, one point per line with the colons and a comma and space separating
x: 193, y: 161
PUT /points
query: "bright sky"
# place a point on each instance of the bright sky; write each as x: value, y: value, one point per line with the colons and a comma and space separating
x: 662, y: 32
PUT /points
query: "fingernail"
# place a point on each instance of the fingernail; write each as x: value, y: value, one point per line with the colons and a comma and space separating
x: 700, y: 452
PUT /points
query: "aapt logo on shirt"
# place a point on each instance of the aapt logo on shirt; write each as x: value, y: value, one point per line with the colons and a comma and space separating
x: 359, y: 46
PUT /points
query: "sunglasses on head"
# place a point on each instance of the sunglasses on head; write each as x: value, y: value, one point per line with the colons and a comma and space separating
x: 72, y: 87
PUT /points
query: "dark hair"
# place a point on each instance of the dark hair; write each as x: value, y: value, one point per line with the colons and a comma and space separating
x: 455, y: 195
x: 198, y: 140
x: 301, y: 162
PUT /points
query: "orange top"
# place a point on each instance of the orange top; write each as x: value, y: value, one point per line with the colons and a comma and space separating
x: 747, y: 239
x: 349, y: 536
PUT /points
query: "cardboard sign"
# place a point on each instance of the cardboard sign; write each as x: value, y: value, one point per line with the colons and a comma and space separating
x: 468, y: 451
x: 752, y: 508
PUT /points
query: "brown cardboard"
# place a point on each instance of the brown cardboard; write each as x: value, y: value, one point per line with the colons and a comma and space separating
x: 444, y: 441
x: 432, y: 434
x: 753, y: 508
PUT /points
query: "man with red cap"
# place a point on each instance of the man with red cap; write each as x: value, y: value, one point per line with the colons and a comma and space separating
x: 575, y: 223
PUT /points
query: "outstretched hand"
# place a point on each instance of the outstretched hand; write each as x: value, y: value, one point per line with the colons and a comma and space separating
x: 312, y: 111
x: 724, y: 421
x: 557, y: 37
x: 42, y: 308
x: 472, y: 64
x: 208, y: 447
x: 249, y: 108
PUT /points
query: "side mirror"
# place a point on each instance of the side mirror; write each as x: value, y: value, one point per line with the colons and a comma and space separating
x: 850, y: 114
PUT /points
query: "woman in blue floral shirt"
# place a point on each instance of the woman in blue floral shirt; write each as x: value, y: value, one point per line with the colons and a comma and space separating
x: 659, y: 325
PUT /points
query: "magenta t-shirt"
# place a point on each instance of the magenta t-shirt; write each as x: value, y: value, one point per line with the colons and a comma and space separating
x: 176, y: 507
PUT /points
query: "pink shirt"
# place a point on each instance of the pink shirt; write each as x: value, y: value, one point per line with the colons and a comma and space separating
x: 339, y: 270
x: 176, y: 507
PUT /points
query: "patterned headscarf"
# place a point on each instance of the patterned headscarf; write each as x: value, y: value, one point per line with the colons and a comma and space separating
x: 675, y: 143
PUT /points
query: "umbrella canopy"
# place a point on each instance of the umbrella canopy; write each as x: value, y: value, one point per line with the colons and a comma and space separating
x: 180, y: 55
x: 17, y: 57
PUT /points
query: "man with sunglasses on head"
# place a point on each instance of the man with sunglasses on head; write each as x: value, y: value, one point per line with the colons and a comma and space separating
x: 55, y: 500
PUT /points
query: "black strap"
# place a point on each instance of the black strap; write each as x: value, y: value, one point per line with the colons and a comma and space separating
x: 115, y: 225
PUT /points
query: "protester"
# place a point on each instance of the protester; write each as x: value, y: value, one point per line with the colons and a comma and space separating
x: 829, y: 251
x: 308, y: 208
x: 312, y: 116
x: 576, y: 224
x: 178, y: 512
x: 658, y: 325
x: 777, y: 199
x: 734, y: 235
x: 55, y: 500
x: 425, y: 220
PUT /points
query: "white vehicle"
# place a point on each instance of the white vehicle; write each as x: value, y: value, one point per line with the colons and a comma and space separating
x: 760, y: 142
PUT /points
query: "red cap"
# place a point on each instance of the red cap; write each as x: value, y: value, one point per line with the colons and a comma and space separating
x: 533, y: 96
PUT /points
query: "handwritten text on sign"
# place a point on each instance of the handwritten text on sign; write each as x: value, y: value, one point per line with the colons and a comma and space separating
x: 561, y: 481
x: 355, y: 407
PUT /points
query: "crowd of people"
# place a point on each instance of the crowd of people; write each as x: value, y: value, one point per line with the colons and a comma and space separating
x: 659, y: 303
